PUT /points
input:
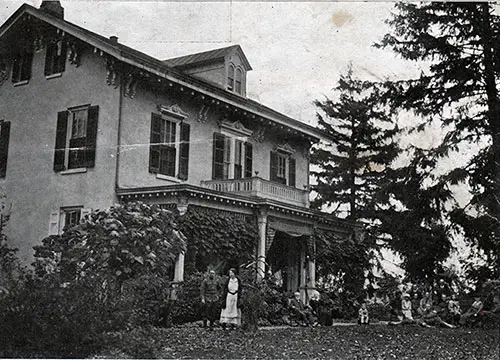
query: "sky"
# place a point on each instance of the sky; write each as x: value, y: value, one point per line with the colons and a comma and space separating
x: 297, y: 49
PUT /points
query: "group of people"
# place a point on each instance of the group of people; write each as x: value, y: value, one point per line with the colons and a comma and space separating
x: 440, y: 307
x: 228, y: 311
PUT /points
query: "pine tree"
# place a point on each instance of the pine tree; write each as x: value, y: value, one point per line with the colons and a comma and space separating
x: 460, y: 42
x: 349, y: 168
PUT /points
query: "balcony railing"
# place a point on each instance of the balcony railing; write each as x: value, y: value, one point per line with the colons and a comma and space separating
x: 259, y: 187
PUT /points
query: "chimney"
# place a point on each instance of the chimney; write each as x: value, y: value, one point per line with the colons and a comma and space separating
x: 114, y: 39
x: 53, y: 8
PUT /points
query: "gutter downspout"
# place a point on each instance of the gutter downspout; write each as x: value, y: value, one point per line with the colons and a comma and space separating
x: 119, y: 138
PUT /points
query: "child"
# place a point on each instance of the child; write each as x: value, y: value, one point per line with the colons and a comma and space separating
x: 406, y: 308
x: 363, y: 318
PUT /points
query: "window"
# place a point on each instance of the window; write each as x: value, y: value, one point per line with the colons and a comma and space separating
x: 230, y: 77
x: 232, y: 158
x: 21, y: 67
x: 4, y: 146
x: 55, y: 58
x: 76, y: 135
x: 234, y: 79
x: 169, y: 147
x: 239, y: 75
x: 282, y: 168
x: 66, y: 217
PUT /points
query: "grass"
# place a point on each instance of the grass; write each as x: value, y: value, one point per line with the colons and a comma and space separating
x: 338, y: 342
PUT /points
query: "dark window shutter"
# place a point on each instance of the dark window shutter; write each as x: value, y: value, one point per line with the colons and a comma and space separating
x: 26, y: 66
x: 49, y: 55
x: 60, y: 147
x: 218, y: 157
x: 273, y: 172
x: 248, y: 159
x: 154, y: 144
x: 61, y: 59
x: 91, y: 136
x: 291, y: 172
x: 184, y: 152
x: 4, y: 146
x: 16, y: 69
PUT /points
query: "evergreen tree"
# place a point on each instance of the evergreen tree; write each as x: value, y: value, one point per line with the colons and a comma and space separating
x: 349, y: 168
x: 460, y: 43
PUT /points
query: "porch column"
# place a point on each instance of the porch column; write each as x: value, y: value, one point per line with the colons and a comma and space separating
x: 179, y: 268
x: 261, y: 246
x: 182, y: 207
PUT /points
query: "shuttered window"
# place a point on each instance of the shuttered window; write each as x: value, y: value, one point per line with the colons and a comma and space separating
x: 282, y: 168
x: 21, y: 67
x: 76, y: 138
x: 4, y: 146
x: 232, y: 158
x: 169, y: 146
x: 55, y: 58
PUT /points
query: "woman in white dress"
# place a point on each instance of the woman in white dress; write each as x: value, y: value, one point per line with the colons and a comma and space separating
x: 231, y: 312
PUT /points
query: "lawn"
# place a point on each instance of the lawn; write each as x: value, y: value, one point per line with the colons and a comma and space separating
x: 337, y: 342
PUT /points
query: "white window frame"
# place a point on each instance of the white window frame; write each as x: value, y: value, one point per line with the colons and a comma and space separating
x: 69, y: 136
x: 232, y: 134
x: 177, y: 116
x: 57, y: 220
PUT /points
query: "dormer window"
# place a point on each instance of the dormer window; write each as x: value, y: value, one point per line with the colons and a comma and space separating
x: 230, y: 78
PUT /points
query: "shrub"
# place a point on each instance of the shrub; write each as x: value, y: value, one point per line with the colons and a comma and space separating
x: 108, y: 273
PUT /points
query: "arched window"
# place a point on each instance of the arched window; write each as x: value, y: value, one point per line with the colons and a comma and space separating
x: 239, y: 75
x: 230, y: 77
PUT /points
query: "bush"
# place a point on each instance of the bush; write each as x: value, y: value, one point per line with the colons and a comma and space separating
x: 187, y: 306
x: 105, y: 274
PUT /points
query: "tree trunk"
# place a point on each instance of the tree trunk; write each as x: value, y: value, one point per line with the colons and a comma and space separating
x: 493, y: 106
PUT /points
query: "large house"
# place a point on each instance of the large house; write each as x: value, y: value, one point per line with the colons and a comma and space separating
x: 87, y: 122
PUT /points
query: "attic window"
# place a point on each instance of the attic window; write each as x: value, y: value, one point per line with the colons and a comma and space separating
x: 230, y: 77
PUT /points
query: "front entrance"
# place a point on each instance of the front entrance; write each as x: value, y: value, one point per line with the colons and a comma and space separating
x: 286, y: 259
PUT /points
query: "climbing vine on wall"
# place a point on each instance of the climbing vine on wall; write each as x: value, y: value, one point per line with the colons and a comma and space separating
x: 217, y: 238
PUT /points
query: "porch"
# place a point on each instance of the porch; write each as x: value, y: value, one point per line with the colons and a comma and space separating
x: 258, y: 187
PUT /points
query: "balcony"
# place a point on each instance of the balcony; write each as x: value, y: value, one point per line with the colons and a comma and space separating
x: 258, y: 187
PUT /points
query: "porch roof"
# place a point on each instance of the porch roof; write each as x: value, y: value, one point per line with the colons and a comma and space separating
x: 209, y: 195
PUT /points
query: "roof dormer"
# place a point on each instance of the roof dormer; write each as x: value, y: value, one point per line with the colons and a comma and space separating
x: 226, y: 67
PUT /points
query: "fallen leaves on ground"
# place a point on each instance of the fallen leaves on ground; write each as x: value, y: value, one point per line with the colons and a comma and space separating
x: 342, y: 342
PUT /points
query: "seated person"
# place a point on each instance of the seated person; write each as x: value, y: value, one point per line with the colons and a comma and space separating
x: 471, y: 316
x: 406, y: 307
x: 315, y: 303
x: 300, y: 310
x: 432, y: 318
x: 425, y: 304
x: 454, y: 309
x: 363, y: 318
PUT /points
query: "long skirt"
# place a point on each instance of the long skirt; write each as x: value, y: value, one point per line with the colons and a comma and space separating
x: 231, y: 314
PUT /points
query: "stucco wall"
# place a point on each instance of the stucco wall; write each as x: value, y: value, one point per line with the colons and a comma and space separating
x: 135, y: 134
x: 32, y: 187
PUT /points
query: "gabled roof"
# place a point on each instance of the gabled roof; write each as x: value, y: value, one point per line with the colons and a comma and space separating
x: 154, y: 66
x: 207, y: 56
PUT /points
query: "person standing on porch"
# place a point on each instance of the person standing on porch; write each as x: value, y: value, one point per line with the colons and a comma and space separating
x: 231, y: 311
x: 210, y: 295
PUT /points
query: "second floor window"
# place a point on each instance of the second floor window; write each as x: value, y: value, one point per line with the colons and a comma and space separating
x: 76, y: 136
x: 282, y: 168
x: 230, y: 78
x: 21, y: 67
x: 232, y: 158
x: 169, y: 147
x: 55, y: 58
